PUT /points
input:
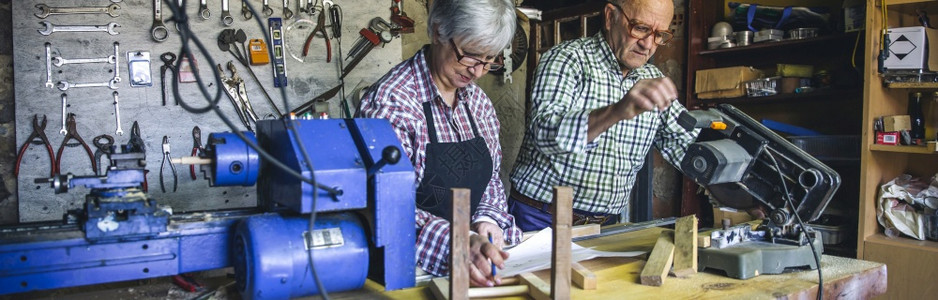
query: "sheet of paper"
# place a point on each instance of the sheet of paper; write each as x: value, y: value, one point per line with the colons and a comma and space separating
x: 534, y: 254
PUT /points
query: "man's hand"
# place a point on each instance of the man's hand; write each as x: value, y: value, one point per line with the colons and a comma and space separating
x: 486, y: 228
x: 483, y: 255
x: 646, y: 95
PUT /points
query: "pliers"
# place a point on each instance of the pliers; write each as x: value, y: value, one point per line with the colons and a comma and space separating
x: 196, y: 148
x: 320, y: 28
x: 166, y: 158
x: 39, y: 131
x: 73, y: 134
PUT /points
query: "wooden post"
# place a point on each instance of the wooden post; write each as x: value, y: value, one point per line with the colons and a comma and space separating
x: 583, y: 277
x: 459, y: 246
x: 659, y: 261
x: 563, y: 219
x: 685, y: 246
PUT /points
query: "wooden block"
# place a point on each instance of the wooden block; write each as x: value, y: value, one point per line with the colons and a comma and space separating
x: 459, y: 246
x: 583, y: 277
x: 560, y: 266
x: 685, y: 246
x: 659, y: 261
x: 440, y: 288
x: 537, y: 288
x: 703, y: 241
x: 585, y: 230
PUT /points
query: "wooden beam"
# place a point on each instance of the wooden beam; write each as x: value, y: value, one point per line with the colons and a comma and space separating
x: 440, y: 288
x: 583, y: 277
x: 459, y: 246
x: 685, y: 246
x: 560, y: 267
x: 537, y: 288
x: 584, y: 230
x: 659, y: 261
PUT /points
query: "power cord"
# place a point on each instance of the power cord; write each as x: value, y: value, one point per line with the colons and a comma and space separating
x: 787, y: 196
x: 186, y: 35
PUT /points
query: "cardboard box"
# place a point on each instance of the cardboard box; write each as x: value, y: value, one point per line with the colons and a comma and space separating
x: 907, y: 49
x: 896, y: 123
x: 724, y: 82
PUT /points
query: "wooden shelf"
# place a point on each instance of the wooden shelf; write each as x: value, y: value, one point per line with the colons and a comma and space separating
x: 904, y: 242
x: 900, y: 2
x: 902, y: 149
x: 912, y: 85
x: 780, y: 44
x: 825, y: 95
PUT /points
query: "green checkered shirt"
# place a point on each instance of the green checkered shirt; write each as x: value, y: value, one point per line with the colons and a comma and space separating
x: 572, y: 79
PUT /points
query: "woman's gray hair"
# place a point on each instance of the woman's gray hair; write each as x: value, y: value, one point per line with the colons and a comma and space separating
x: 489, y: 24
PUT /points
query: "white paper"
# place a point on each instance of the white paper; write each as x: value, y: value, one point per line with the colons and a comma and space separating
x: 534, y: 254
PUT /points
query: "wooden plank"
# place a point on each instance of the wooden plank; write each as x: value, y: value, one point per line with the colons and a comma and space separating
x: 459, y: 245
x: 440, y: 288
x: 583, y: 277
x: 685, y: 246
x: 703, y: 241
x: 560, y: 257
x: 659, y: 261
x: 537, y: 287
x: 584, y: 230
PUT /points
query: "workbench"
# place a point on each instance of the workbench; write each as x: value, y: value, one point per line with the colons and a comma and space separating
x: 844, y: 278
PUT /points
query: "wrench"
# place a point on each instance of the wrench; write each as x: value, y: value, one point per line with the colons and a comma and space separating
x: 204, y: 13
x: 50, y: 28
x: 64, y: 85
x: 64, y: 114
x: 287, y: 13
x: 49, y: 83
x: 226, y: 18
x: 117, y: 112
x: 158, y: 30
x: 46, y: 10
x: 267, y: 10
x: 59, y: 61
x: 245, y: 11
x: 117, y: 70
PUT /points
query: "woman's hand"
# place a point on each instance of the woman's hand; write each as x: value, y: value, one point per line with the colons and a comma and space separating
x: 483, y: 254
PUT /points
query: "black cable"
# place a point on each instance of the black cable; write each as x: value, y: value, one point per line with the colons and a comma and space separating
x: 185, y: 34
x: 787, y: 197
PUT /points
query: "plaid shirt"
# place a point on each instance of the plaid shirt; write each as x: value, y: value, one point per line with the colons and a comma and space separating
x: 398, y: 97
x: 571, y: 80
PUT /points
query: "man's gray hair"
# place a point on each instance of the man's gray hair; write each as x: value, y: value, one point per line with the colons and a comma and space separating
x: 489, y: 24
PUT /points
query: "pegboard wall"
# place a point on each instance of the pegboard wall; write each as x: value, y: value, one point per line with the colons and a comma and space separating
x: 94, y: 106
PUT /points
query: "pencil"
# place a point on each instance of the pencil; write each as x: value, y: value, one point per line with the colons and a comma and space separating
x: 493, y: 263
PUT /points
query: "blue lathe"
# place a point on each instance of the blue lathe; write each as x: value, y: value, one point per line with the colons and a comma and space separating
x: 362, y: 207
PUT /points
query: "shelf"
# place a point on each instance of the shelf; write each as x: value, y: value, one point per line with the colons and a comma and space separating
x: 825, y: 95
x: 780, y: 44
x: 912, y: 85
x: 900, y: 2
x: 902, y: 149
x: 903, y: 242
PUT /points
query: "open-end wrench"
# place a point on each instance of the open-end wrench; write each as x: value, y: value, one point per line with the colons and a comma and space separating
x: 117, y: 113
x: 59, y: 61
x: 226, y: 18
x: 245, y: 11
x: 117, y: 69
x: 46, y: 10
x: 49, y: 83
x: 204, y: 13
x: 110, y: 28
x: 287, y: 13
x: 267, y: 10
x: 64, y: 131
x: 158, y: 30
x: 64, y: 85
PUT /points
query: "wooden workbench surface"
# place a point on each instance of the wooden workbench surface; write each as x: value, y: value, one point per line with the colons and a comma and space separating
x: 844, y: 278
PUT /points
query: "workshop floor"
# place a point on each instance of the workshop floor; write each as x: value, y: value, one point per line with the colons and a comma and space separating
x: 216, y: 286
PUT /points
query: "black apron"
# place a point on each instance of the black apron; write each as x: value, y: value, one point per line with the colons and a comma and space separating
x: 465, y: 164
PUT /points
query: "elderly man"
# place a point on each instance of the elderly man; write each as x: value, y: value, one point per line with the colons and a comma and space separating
x: 597, y: 108
x: 448, y: 128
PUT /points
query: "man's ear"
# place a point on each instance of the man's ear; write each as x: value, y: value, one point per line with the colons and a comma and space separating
x: 608, y: 14
x: 435, y: 37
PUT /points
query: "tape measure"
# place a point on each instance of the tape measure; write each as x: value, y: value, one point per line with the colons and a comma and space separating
x: 258, y: 52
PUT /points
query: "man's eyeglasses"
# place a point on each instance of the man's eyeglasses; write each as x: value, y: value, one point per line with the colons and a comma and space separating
x: 470, y: 61
x: 641, y: 30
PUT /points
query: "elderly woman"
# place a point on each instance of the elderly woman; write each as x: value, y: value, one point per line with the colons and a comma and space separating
x: 448, y: 128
